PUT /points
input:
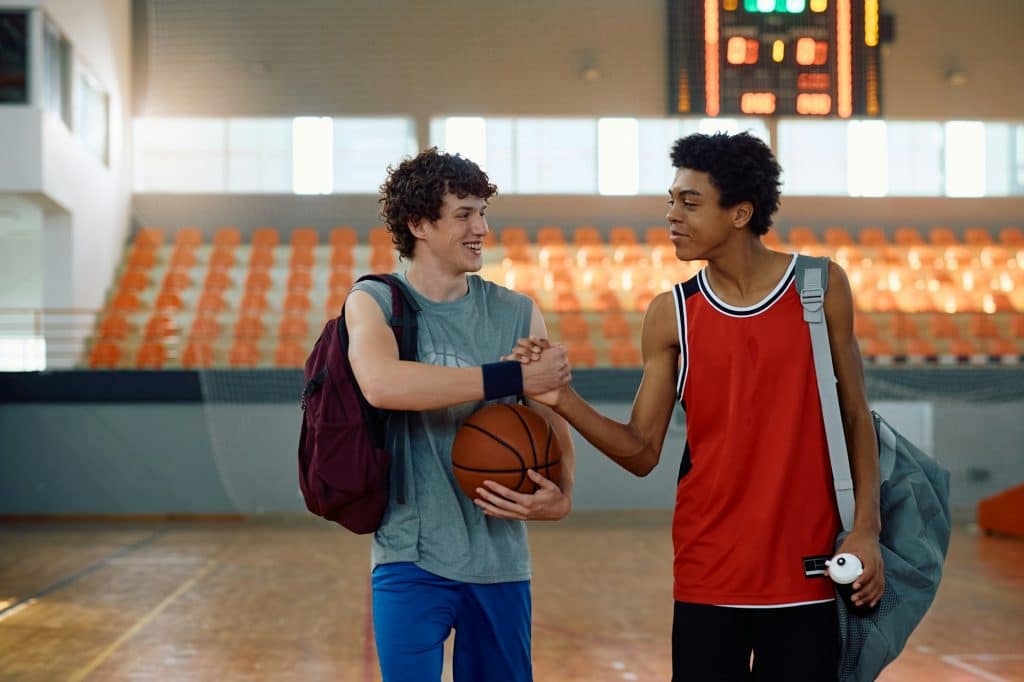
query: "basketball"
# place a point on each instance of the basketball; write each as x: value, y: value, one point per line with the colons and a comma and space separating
x: 501, y: 443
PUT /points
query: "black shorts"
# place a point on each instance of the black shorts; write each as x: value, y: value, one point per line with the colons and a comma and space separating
x: 791, y: 643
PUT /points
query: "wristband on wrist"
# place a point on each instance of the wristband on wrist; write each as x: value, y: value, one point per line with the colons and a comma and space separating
x: 502, y: 379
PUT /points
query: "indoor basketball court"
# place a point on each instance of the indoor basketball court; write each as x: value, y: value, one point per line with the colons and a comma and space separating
x: 189, y: 190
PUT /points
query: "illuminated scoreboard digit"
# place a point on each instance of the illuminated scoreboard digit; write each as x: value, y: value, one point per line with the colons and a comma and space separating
x: 774, y: 57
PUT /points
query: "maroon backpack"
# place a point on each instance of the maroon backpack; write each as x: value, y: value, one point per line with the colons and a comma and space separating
x: 343, y: 466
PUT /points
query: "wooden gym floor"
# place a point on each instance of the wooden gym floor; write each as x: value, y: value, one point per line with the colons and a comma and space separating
x: 287, y: 599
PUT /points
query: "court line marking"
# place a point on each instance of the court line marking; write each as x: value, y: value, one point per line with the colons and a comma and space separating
x: 973, y: 669
x: 141, y: 623
x: 74, y: 577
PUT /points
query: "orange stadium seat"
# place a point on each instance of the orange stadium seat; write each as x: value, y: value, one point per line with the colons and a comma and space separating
x: 293, y: 327
x: 133, y: 280
x: 581, y: 353
x: 160, y: 326
x: 211, y: 301
x: 622, y: 235
x: 518, y: 253
x: 149, y: 238
x: 982, y: 326
x: 265, y: 236
x: 114, y: 327
x: 872, y: 236
x: 1011, y: 236
x: 335, y: 300
x: 1004, y: 347
x: 104, y: 354
x: 607, y: 300
x: 177, y: 280
x: 125, y: 301
x: 188, y: 237
x: 977, y: 236
x: 566, y: 301
x: 864, y: 326
x: 306, y: 237
x: 296, y: 303
x: 965, y: 347
x: 249, y: 326
x: 921, y: 347
x: 513, y: 234
x: 299, y: 280
x: 340, y: 280
x: 573, y: 325
x: 382, y: 260
x: 342, y: 257
x: 183, y: 258
x: 217, y: 280
x: 290, y: 354
x: 204, y: 326
x: 380, y: 237
x: 657, y: 235
x: 243, y: 353
x: 942, y: 326
x: 151, y: 355
x: 344, y: 236
x: 586, y: 235
x: 197, y: 354
x: 548, y: 235
x: 142, y: 258
x: 908, y: 236
x: 258, y: 280
x: 624, y: 353
x: 302, y: 258
x: 838, y: 236
x: 614, y: 325
x: 168, y: 301
x: 261, y: 257
x: 942, y: 236
x: 772, y: 238
x: 222, y: 257
x: 253, y: 301
x: 801, y: 235
x: 227, y: 237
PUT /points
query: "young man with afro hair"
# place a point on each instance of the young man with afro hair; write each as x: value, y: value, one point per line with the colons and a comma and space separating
x: 755, y: 510
x: 438, y: 561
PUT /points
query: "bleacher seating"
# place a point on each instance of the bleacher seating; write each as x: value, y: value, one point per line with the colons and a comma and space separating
x: 182, y: 301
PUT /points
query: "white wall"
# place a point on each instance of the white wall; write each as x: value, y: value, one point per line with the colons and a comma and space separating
x: 49, y: 166
x: 21, y: 229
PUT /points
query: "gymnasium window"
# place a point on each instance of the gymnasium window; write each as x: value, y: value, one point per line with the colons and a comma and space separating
x: 14, y: 58
x: 56, y: 73
x: 365, y: 147
x: 92, y: 114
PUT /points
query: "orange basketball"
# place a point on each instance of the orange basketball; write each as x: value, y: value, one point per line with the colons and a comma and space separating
x: 500, y: 443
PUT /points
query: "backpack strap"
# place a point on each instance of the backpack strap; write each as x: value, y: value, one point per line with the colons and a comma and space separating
x: 404, y: 311
x: 811, y: 284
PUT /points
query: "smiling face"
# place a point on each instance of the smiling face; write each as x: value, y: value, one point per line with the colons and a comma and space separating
x: 698, y: 226
x: 456, y: 239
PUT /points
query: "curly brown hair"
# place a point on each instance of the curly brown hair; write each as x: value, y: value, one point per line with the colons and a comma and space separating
x: 415, y: 191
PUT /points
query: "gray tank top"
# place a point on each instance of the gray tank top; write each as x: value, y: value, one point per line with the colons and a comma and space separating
x: 438, y: 528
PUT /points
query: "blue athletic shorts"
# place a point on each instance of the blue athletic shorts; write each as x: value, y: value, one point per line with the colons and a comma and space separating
x: 414, y: 612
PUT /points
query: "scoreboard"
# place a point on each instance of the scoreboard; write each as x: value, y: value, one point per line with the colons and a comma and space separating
x: 774, y: 57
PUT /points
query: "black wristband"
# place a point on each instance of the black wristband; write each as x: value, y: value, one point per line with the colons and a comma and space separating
x: 502, y: 379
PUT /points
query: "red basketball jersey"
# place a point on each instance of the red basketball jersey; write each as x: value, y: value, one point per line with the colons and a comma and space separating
x: 755, y: 513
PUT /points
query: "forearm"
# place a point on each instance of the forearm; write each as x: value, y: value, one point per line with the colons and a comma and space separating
x: 863, y: 448
x: 402, y: 385
x: 619, y: 442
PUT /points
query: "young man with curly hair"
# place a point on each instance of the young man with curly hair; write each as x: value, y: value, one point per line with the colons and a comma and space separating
x: 754, y: 497
x: 438, y: 561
